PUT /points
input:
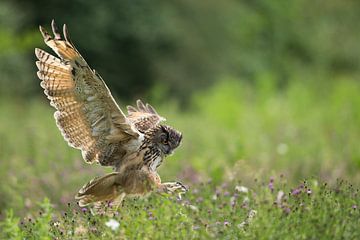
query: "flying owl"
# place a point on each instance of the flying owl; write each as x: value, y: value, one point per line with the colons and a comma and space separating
x: 90, y: 120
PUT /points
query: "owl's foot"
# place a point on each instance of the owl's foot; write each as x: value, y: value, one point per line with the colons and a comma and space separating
x: 173, y: 188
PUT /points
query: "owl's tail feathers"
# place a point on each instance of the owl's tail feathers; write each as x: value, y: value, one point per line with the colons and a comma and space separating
x: 104, y: 193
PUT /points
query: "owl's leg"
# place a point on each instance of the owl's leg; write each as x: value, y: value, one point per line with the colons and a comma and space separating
x: 167, y: 188
x: 172, y: 188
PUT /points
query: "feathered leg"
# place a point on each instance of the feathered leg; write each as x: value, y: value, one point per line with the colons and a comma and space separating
x: 100, y: 189
x: 107, y: 193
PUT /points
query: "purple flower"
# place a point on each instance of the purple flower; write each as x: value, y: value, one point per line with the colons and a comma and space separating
x: 232, y: 201
x: 271, y: 186
x: 354, y: 206
x: 217, y: 192
x: 287, y: 210
x: 296, y: 191
x: 226, y: 223
x: 199, y: 199
x: 84, y: 210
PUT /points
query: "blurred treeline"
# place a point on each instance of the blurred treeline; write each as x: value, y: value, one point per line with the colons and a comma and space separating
x: 175, y: 48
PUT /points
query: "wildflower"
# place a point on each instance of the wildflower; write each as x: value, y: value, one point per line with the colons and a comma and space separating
x: 214, y: 197
x: 194, y: 208
x: 248, y: 219
x: 84, y: 210
x: 271, y: 184
x: 252, y: 214
x: 246, y: 200
x: 226, y: 223
x: 287, y: 210
x: 296, y: 191
x: 217, y: 192
x: 279, y: 197
x: 242, y: 224
x: 242, y: 189
x: 199, y: 199
x: 80, y: 230
x: 309, y: 191
x: 113, y: 224
x: 232, y: 201
x: 354, y: 206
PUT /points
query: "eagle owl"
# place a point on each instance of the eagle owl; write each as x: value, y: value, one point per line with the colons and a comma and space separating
x: 90, y: 120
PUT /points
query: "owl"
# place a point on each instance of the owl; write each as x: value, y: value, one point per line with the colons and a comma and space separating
x: 90, y: 120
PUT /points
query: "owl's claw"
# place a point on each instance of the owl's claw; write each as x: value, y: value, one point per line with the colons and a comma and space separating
x: 174, y: 188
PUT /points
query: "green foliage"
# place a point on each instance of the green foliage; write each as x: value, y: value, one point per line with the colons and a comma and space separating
x: 303, y: 130
x: 185, y: 46
x: 269, y: 210
x: 271, y: 87
x: 9, y: 226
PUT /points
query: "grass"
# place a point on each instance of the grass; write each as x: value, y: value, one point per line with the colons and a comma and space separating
x: 271, y: 210
x: 235, y: 134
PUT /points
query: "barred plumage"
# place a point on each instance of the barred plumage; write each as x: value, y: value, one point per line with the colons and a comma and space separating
x: 90, y: 120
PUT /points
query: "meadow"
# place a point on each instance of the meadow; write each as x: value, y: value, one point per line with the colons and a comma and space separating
x: 262, y: 160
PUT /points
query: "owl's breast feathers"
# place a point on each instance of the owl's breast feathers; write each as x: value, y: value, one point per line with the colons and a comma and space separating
x: 147, y: 158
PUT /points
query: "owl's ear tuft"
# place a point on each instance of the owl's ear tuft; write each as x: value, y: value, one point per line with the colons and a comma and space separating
x: 165, y: 129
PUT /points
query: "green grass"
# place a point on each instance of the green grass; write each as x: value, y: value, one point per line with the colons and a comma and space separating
x: 234, y: 133
x: 271, y: 210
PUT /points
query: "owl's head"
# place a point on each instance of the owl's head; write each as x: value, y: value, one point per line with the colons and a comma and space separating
x: 167, y: 139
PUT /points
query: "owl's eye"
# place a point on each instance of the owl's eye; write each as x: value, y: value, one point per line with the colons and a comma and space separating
x: 164, y: 141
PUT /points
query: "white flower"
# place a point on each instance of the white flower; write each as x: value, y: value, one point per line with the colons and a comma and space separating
x: 279, y: 197
x: 252, y: 214
x: 214, y: 197
x: 248, y: 219
x: 113, y: 224
x: 242, y: 189
x: 246, y: 200
x: 242, y: 225
x: 194, y: 208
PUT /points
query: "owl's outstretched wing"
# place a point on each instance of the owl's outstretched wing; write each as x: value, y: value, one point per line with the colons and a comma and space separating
x: 87, y: 114
x: 144, y: 116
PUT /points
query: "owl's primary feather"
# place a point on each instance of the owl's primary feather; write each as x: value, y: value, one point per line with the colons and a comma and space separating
x: 90, y: 120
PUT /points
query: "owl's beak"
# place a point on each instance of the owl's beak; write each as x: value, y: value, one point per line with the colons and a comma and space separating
x: 180, y: 138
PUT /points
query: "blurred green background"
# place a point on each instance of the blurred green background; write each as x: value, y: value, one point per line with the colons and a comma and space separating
x: 263, y: 87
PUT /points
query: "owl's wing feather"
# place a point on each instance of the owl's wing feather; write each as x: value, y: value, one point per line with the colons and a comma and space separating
x: 87, y: 114
x: 144, y: 116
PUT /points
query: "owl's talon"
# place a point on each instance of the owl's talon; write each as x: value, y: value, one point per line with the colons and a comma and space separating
x: 174, y: 188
